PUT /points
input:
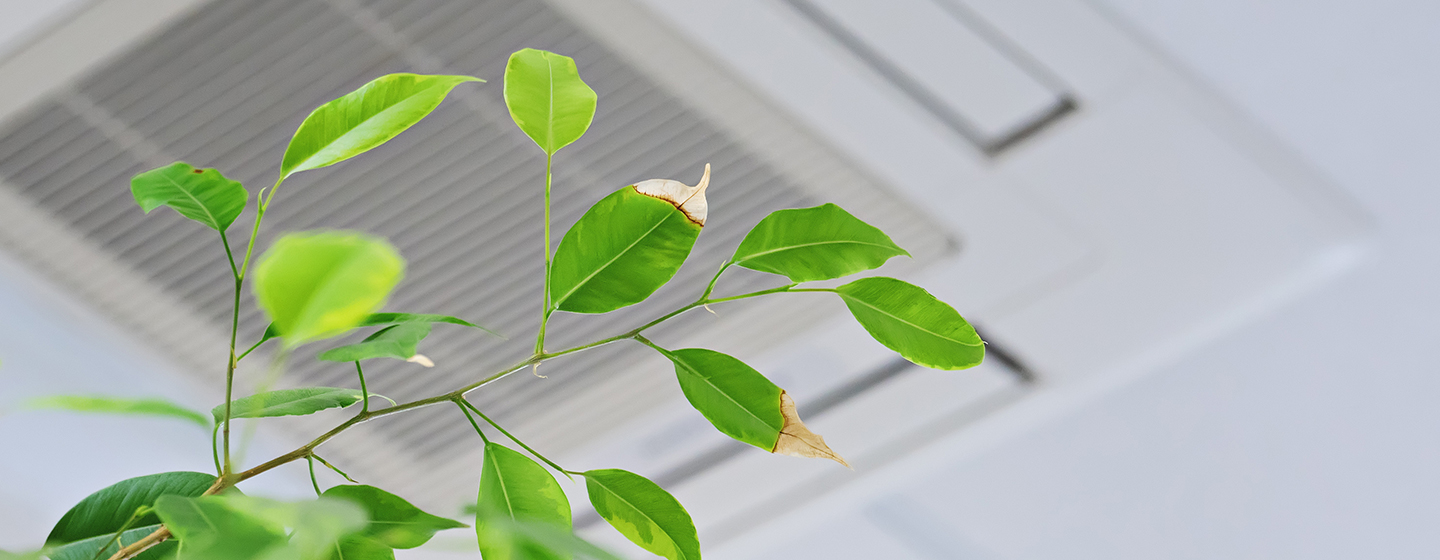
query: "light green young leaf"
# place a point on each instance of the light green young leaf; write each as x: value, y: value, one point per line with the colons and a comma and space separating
x: 7, y: 555
x: 114, y: 405
x: 515, y: 488
x: 907, y: 319
x: 393, y: 521
x: 106, y: 511
x: 395, y: 341
x: 289, y: 402
x: 547, y: 98
x: 644, y: 512
x: 364, y: 119
x: 203, y: 195
x: 738, y: 400
x: 320, y: 284
x: 89, y: 549
x: 809, y: 244
x: 209, y: 529
x: 361, y: 548
x: 316, y: 526
x: 622, y: 250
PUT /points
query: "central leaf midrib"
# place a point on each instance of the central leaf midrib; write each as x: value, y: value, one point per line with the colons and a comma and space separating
x: 897, y: 318
x: 804, y: 245
x: 612, y: 260
x: 642, y: 513
x: 213, y: 221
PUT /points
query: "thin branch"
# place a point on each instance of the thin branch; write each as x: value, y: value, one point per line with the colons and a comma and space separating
x: 466, y: 404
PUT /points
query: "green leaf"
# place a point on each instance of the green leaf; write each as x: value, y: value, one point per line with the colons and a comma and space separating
x: 209, y: 529
x: 289, y: 402
x: 820, y: 243
x: 316, y: 526
x: 622, y: 250
x: 738, y: 400
x: 89, y: 549
x: 107, y: 510
x: 644, y: 512
x: 361, y: 548
x: 907, y: 319
x: 320, y: 284
x: 203, y: 195
x: 515, y: 488
x: 395, y: 341
x: 112, y: 405
x: 364, y: 119
x: 377, y: 319
x: 532, y: 540
x: 7, y: 555
x: 547, y: 98
x: 393, y: 521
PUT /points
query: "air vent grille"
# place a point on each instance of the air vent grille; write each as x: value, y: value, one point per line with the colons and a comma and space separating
x: 460, y: 194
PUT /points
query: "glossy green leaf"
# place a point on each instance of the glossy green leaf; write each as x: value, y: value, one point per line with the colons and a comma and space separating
x: 532, y: 540
x: 289, y: 402
x: 365, y: 118
x: 107, y: 510
x: 514, y: 487
x: 738, y: 400
x: 820, y: 243
x: 377, y: 319
x: 89, y: 549
x: 907, y: 319
x: 112, y: 405
x: 209, y: 529
x: 316, y: 526
x: 622, y: 250
x: 393, y: 521
x: 547, y: 98
x: 644, y: 512
x: 395, y: 341
x: 320, y: 284
x: 203, y: 195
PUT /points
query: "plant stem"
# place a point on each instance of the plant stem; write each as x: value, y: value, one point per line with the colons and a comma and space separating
x: 125, y: 527
x: 215, y: 449
x: 234, y: 330
x: 332, y: 467
x: 460, y: 402
x: 364, y: 392
x: 313, y: 482
x: 247, y: 352
x: 711, y: 286
x: 466, y: 403
x: 545, y: 298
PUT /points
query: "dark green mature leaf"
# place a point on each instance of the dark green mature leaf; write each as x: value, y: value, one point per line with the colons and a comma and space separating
x: 377, y: 319
x: 622, y: 250
x: 395, y: 341
x: 320, y: 284
x: 203, y: 195
x: 209, y: 529
x: 365, y: 118
x: 820, y: 243
x: 393, y: 521
x: 89, y: 549
x: 107, y: 510
x: 738, y: 400
x: 289, y: 402
x: 515, y: 488
x: 532, y: 540
x: 547, y: 98
x: 644, y: 512
x: 907, y: 319
x: 113, y: 405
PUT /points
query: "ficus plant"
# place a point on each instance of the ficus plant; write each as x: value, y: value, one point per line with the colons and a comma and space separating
x: 318, y: 285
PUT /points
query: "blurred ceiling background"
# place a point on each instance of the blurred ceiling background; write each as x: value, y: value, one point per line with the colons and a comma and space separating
x: 1301, y: 427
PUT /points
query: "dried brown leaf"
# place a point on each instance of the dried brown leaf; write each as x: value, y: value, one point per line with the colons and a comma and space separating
x: 797, y: 440
x: 690, y: 200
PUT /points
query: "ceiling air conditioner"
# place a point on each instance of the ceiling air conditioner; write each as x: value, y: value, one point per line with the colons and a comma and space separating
x: 1091, y: 208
